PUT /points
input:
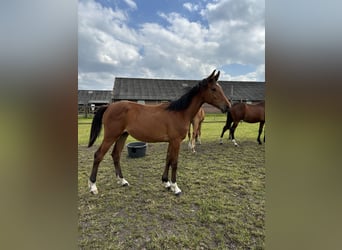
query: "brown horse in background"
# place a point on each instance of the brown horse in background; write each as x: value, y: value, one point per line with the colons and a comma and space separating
x: 196, y: 123
x: 251, y: 113
x: 167, y: 122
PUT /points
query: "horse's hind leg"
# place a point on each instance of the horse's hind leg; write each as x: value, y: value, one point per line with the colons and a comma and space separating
x: 260, y: 131
x: 194, y: 135
x: 199, y: 133
x: 98, y: 156
x: 189, y: 136
x: 116, y: 155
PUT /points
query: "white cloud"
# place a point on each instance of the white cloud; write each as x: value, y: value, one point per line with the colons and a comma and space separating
x: 191, y: 7
x: 182, y: 48
x: 257, y: 75
x: 131, y: 4
x: 239, y: 26
x: 105, y: 41
x: 96, y: 80
x: 109, y: 47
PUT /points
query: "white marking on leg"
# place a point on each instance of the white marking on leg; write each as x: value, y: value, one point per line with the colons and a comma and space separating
x: 190, y: 145
x: 221, y: 141
x: 199, y: 140
x: 122, y: 181
x: 175, y: 188
x: 235, y: 143
x: 93, y: 188
x: 167, y: 184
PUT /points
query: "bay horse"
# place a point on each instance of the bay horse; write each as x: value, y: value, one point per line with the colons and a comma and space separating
x: 251, y: 113
x: 196, y: 123
x: 166, y: 122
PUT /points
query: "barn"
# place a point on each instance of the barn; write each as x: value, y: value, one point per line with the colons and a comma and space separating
x: 90, y: 100
x: 154, y: 91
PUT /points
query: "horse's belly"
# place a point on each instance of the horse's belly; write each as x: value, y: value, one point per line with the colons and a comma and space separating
x: 150, y: 135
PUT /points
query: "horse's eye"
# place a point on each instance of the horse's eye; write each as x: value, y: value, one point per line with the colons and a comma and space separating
x: 213, y: 89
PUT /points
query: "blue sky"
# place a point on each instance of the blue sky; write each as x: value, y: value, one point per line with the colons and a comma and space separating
x: 177, y: 39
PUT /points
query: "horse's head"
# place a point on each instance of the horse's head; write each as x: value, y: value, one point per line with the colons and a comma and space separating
x: 213, y: 93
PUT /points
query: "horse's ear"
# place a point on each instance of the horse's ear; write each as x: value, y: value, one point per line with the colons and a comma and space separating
x: 217, y: 76
x: 212, y: 74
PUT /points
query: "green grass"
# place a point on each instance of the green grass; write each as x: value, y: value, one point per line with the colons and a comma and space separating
x: 222, y: 205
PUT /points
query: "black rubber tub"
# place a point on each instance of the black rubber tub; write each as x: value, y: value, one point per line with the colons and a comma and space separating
x: 136, y: 149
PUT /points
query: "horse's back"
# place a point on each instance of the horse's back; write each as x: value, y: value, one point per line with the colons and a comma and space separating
x: 133, y: 107
x: 257, y: 111
x: 248, y: 112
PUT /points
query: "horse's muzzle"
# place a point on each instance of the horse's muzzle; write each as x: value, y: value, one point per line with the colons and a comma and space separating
x: 225, y: 109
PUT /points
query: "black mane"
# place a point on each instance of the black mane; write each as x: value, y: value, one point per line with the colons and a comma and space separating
x: 184, y: 101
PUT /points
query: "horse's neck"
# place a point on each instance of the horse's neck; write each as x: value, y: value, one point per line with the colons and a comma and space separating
x: 193, y: 108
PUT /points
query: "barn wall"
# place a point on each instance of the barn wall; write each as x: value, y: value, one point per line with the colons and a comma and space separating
x: 210, y: 109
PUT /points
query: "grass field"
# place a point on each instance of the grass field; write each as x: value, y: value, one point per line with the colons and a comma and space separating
x: 222, y: 205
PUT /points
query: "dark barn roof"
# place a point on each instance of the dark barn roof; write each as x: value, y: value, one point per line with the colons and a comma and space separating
x: 94, y: 96
x: 251, y: 91
x: 167, y: 90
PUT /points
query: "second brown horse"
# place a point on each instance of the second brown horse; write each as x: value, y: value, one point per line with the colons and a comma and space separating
x: 196, y: 123
x: 168, y: 122
x: 251, y: 113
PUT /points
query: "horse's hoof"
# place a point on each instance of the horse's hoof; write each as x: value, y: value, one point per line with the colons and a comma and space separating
x: 167, y: 185
x: 122, y: 182
x: 93, y: 188
x: 178, y: 194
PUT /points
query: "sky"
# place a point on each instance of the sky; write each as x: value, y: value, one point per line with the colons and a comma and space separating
x: 171, y: 39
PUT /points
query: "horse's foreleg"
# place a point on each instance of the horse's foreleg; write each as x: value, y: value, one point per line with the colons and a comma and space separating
x: 231, y: 133
x: 260, y: 131
x: 116, y: 155
x: 98, y: 156
x: 174, y: 151
x: 223, y: 131
x: 165, y: 176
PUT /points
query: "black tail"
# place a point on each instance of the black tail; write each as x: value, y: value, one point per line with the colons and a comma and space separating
x: 96, y: 125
